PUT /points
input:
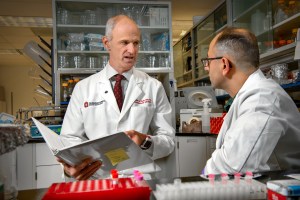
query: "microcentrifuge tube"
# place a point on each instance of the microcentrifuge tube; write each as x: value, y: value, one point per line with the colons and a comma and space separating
x: 237, y: 178
x: 224, y: 178
x: 249, y: 177
x: 211, y: 178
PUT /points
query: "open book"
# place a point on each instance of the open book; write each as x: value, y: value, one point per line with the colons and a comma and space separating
x: 115, y: 151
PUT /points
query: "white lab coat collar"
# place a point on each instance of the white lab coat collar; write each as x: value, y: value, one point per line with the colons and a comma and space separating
x: 111, y: 72
x: 257, y: 75
x: 227, y: 120
x: 104, y: 75
x: 134, y: 89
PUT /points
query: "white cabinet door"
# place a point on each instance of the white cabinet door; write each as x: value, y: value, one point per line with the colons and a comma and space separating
x: 211, y: 146
x: 26, y: 167
x: 44, y: 155
x: 48, y: 170
x: 191, y: 155
x: 37, y: 167
x: 46, y: 175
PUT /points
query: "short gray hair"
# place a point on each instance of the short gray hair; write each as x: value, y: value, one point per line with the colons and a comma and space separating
x: 111, y: 23
x: 241, y: 45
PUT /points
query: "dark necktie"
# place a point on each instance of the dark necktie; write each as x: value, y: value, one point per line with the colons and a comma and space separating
x: 118, y: 90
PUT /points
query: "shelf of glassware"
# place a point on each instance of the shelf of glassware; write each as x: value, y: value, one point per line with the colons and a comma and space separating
x: 155, y: 51
x: 204, y: 32
x: 164, y: 76
x: 156, y: 61
x: 281, y: 49
x: 80, y: 24
x: 212, y: 24
x: 183, y: 66
x: 186, y: 78
x: 256, y: 17
x: 272, y: 28
x: 178, y: 59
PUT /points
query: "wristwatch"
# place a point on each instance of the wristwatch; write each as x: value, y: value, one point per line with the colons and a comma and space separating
x: 147, y: 143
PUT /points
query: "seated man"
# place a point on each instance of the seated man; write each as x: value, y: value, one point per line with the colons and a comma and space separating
x: 261, y: 130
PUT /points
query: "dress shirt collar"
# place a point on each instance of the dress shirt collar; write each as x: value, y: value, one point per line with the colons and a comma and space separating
x: 111, y: 72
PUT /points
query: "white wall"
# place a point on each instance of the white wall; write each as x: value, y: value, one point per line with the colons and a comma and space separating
x: 16, y: 82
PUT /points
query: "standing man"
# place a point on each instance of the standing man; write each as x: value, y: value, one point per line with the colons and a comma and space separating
x: 261, y: 130
x: 119, y: 99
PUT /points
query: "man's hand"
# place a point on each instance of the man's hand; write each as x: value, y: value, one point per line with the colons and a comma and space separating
x: 136, y: 137
x: 82, y: 171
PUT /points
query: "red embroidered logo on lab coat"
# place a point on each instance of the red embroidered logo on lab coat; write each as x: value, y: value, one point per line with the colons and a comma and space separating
x: 96, y: 103
x: 142, y: 101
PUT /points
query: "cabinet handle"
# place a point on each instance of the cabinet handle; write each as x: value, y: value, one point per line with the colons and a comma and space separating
x: 191, y: 140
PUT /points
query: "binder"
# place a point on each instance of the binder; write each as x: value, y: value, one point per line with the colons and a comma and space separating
x: 116, y: 151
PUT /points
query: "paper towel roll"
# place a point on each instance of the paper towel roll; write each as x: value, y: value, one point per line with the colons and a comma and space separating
x: 297, y: 48
x: 193, y: 120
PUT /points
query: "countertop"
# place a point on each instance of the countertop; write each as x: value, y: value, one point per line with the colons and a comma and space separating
x: 37, y: 194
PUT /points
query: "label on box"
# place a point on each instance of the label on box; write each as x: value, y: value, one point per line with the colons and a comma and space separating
x: 288, y: 188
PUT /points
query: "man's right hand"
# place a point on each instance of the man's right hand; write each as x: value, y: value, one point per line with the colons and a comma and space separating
x: 82, y: 171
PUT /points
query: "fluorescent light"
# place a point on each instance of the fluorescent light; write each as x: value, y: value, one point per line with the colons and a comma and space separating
x: 25, y: 21
x: 11, y: 51
x: 183, y: 32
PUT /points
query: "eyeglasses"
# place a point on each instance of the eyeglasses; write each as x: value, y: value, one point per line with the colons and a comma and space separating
x: 206, y: 61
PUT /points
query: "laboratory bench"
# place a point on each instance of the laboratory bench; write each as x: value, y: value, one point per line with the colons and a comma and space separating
x: 37, y: 194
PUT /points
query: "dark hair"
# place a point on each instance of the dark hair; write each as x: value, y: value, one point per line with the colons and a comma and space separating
x: 241, y: 45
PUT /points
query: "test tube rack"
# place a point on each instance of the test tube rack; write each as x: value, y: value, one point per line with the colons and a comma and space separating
x: 225, y: 189
x: 108, y: 189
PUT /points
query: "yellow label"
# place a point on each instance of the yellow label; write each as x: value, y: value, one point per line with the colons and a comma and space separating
x: 116, y: 156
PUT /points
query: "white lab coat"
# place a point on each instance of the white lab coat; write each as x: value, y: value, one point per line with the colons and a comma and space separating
x: 260, y: 132
x: 93, y: 111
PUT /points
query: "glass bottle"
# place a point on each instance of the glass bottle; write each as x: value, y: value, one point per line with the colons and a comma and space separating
x: 268, y: 21
x: 292, y: 8
x: 76, y: 80
x: 280, y: 14
x: 65, y: 91
x: 294, y: 34
x: 70, y: 88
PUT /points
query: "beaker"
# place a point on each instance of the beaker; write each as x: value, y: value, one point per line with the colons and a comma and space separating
x: 104, y: 60
x: 91, y: 62
x: 152, y: 60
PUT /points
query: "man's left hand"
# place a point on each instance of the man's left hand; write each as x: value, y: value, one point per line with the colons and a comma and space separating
x: 136, y: 137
